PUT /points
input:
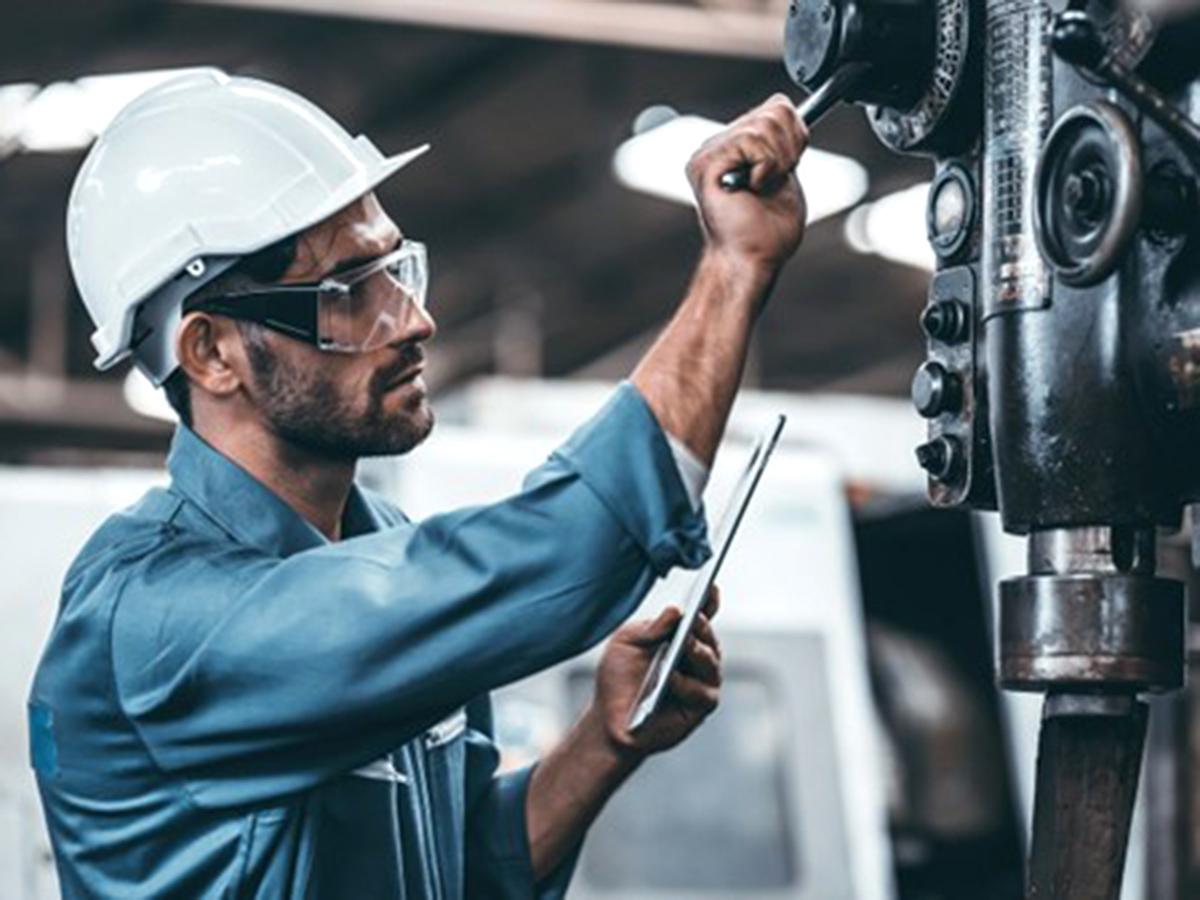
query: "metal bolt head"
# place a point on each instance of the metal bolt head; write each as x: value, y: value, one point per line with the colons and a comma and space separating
x: 940, y: 457
x: 946, y: 321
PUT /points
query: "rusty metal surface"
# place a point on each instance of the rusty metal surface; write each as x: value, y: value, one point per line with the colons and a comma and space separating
x: 1112, y: 631
x: 1086, y: 784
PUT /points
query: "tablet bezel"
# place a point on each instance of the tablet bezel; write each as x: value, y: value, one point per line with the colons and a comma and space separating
x: 667, y: 656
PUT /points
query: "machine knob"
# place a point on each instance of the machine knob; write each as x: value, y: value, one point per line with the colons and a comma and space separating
x: 936, y: 390
x: 940, y: 457
x: 946, y: 321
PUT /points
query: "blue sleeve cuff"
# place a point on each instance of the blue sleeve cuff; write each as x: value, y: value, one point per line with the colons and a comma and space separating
x: 511, y: 864
x: 623, y: 456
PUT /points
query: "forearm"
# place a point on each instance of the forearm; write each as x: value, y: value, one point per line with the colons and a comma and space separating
x: 568, y: 789
x: 690, y: 376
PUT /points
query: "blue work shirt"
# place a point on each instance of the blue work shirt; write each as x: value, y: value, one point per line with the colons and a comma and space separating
x: 231, y: 706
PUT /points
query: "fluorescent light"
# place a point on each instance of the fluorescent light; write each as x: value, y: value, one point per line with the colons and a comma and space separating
x: 145, y: 399
x: 893, y: 227
x: 653, y: 162
x: 14, y: 98
x: 56, y: 119
x: 67, y: 115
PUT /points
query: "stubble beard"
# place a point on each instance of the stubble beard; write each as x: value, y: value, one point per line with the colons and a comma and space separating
x: 305, y: 409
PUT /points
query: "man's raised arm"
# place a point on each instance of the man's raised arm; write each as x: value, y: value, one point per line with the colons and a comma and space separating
x: 689, y: 379
x: 691, y: 374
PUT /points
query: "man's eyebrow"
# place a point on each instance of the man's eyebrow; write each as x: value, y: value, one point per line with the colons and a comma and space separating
x: 354, y: 262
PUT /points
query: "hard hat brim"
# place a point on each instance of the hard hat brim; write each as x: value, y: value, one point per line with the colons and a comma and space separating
x: 117, y: 345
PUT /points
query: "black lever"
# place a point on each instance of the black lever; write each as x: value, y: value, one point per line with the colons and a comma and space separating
x: 1077, y: 40
x: 814, y: 107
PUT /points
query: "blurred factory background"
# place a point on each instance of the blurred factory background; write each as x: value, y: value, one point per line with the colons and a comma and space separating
x: 544, y: 264
x: 861, y: 728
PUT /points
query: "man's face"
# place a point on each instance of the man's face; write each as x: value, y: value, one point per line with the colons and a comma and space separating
x: 344, y: 405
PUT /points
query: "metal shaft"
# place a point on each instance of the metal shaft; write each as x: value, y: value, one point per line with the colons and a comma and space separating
x: 1089, y: 756
x: 1092, y: 625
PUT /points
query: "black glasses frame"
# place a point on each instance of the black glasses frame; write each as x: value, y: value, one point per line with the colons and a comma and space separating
x: 281, y: 308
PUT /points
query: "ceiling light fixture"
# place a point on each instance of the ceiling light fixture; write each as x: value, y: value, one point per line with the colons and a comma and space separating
x: 67, y: 115
x: 653, y: 162
x: 893, y: 227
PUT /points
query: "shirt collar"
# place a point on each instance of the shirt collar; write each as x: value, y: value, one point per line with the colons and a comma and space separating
x: 245, y: 508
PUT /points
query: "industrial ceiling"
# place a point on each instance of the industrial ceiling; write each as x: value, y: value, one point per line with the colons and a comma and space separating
x: 543, y: 264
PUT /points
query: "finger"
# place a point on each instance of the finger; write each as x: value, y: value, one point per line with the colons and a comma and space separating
x: 780, y: 114
x: 704, y: 632
x: 763, y: 158
x: 694, y: 695
x: 736, y: 149
x: 647, y: 632
x: 777, y: 125
x: 779, y: 117
x: 786, y: 117
x: 712, y: 603
x: 702, y: 663
x: 773, y: 103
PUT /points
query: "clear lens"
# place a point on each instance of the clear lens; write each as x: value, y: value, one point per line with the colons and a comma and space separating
x: 369, y: 307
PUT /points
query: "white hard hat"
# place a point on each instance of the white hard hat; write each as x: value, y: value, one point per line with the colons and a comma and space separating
x: 190, y: 176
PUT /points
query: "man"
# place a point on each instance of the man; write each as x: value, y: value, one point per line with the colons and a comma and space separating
x: 266, y: 682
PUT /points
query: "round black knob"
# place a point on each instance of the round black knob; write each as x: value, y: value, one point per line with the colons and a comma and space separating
x: 946, y: 321
x: 936, y: 390
x: 940, y: 457
x: 1077, y: 40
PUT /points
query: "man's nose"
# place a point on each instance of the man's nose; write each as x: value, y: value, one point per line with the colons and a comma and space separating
x: 419, y: 325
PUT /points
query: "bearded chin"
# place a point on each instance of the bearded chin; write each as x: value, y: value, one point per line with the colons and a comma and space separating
x: 305, y: 409
x: 336, y: 433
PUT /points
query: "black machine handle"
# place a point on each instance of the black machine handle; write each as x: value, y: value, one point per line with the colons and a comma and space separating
x: 814, y: 107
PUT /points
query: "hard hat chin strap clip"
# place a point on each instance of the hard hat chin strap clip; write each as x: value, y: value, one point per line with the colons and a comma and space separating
x: 158, y: 317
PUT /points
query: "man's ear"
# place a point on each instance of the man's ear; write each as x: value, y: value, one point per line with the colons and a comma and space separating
x: 210, y: 351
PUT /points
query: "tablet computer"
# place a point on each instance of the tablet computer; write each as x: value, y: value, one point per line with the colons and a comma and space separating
x: 666, y: 658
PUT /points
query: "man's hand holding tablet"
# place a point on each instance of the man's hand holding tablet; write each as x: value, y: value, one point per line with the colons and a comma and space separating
x: 662, y: 672
x: 692, y: 691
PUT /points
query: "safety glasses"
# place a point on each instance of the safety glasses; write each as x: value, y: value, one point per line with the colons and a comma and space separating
x: 354, y: 312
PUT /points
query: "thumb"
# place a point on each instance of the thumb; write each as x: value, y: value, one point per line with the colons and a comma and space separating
x: 651, y: 631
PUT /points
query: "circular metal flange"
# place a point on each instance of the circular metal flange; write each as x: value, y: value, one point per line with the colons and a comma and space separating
x: 911, y: 130
x: 1091, y: 632
x: 1089, y: 186
x: 812, y: 40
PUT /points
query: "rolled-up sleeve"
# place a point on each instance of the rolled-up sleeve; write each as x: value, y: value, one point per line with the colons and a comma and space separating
x: 499, y: 865
x: 251, y: 676
x: 629, y: 476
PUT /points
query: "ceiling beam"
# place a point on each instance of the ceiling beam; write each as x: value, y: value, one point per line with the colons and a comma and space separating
x: 37, y: 414
x: 658, y: 26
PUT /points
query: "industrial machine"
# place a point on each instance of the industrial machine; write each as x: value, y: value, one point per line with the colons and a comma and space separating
x: 1062, y: 384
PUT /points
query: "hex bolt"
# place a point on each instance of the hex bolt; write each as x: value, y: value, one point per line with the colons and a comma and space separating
x: 940, y: 457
